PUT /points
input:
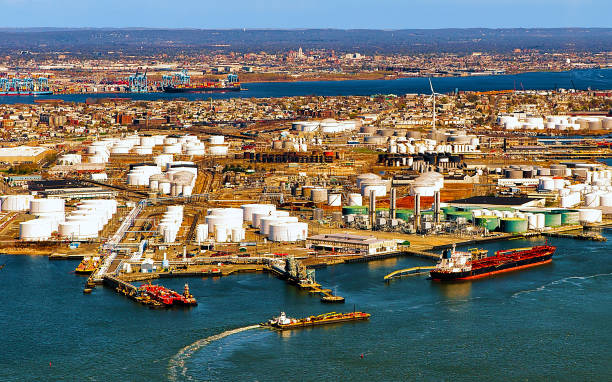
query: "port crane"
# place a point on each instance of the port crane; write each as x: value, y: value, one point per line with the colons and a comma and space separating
x: 177, y: 79
x: 138, y: 82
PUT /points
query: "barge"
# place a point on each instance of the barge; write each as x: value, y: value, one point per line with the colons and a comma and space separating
x: 283, y: 322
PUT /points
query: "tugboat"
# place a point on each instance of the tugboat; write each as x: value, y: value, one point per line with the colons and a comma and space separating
x: 283, y: 322
x: 455, y: 265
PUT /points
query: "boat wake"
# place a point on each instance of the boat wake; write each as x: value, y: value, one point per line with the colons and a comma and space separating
x: 574, y: 280
x: 176, y: 365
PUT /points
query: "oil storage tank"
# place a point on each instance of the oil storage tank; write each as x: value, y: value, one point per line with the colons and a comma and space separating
x: 513, y: 225
x: 489, y: 222
x: 552, y: 219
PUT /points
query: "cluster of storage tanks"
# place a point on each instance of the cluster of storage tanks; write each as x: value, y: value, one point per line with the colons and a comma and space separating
x: 170, y: 223
x: 85, y: 222
x: 290, y: 144
x: 366, y: 183
x: 143, y: 145
x: 227, y: 224
x: 88, y: 219
x: 176, y: 179
x: 69, y: 159
x: 555, y: 122
x: 523, y: 220
x: 329, y: 126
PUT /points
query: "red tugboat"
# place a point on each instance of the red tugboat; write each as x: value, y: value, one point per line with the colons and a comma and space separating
x: 456, y: 265
x: 166, y: 296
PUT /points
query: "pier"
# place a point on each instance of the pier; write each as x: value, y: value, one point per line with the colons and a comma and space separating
x: 407, y: 272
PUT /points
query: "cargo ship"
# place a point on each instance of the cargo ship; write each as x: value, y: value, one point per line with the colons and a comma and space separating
x: 208, y: 87
x: 283, y: 322
x: 87, y: 266
x: 455, y: 265
x: 166, y: 297
x: 181, y: 83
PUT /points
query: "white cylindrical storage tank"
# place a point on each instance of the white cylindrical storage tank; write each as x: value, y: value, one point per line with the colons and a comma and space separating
x: 265, y: 223
x: 540, y: 221
x: 238, y: 234
x: 380, y: 190
x: 319, y: 195
x: 201, y: 232
x: 216, y: 139
x: 589, y: 216
x: 46, y: 205
x: 355, y: 200
x: 220, y: 233
x: 250, y: 209
x: 532, y: 221
x: 143, y: 150
x: 35, y: 230
x: 164, y: 187
x: 605, y: 200
x: 218, y: 150
x: 592, y: 199
x: 334, y: 200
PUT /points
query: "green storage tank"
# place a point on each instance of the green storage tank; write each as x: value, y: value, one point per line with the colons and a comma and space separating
x: 489, y: 222
x: 513, y: 225
x: 459, y: 214
x: 570, y: 217
x: 404, y: 214
x: 448, y: 209
x: 354, y: 210
x: 552, y: 219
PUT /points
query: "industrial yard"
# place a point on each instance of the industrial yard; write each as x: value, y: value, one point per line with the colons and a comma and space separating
x: 139, y: 204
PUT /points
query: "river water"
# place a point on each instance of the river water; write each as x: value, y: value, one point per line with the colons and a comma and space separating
x: 548, y: 323
x: 583, y: 79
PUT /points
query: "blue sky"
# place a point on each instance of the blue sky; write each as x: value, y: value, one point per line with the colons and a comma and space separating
x: 344, y: 14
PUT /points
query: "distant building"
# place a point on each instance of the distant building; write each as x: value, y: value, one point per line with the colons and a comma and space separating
x: 344, y: 242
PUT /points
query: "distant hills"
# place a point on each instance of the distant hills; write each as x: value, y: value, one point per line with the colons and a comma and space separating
x: 147, y: 41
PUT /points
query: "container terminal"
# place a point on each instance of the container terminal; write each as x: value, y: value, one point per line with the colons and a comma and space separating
x: 153, y: 201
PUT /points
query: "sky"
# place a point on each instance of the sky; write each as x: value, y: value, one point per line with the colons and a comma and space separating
x: 292, y: 14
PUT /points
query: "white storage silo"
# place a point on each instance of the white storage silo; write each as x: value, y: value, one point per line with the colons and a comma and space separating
x: 250, y: 209
x: 238, y: 234
x: 334, y: 200
x: 592, y: 199
x: 216, y: 139
x: 589, y: 216
x: 355, y: 200
x: 220, y: 233
x: 201, y: 232
x: 605, y: 200
x: 35, y: 230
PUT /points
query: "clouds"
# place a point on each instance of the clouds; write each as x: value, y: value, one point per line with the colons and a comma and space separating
x: 383, y: 14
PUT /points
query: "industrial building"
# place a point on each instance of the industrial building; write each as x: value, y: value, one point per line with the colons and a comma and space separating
x: 22, y: 154
x: 344, y: 242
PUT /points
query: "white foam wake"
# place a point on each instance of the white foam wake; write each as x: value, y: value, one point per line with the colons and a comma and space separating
x: 574, y: 280
x: 176, y: 365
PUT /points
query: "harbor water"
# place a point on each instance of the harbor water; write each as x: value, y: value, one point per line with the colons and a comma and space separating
x: 582, y: 79
x: 547, y: 323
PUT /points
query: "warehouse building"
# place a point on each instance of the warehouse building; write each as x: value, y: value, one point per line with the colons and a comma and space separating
x: 22, y: 154
x: 344, y: 242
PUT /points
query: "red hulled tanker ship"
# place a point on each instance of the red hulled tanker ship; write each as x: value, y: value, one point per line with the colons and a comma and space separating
x: 455, y: 265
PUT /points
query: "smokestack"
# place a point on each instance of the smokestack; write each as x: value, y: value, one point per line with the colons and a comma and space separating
x: 437, y: 207
x: 417, y: 212
x: 392, y: 210
x: 372, y: 207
